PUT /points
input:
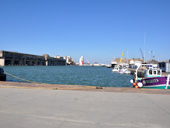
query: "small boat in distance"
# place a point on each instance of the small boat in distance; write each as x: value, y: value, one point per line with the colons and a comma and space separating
x: 113, y: 64
x: 125, y: 70
x: 152, y: 78
x: 122, y: 68
x: 116, y: 68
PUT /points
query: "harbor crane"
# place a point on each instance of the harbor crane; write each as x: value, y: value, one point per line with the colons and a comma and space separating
x: 121, y: 56
x: 152, y: 56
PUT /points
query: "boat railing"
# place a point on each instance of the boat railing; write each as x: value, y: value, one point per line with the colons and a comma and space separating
x: 136, y: 73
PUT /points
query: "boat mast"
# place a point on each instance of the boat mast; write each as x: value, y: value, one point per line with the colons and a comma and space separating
x: 127, y: 57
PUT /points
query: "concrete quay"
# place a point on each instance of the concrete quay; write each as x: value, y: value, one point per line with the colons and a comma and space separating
x: 82, y: 108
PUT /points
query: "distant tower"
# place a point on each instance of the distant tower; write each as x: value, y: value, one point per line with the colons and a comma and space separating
x: 81, y: 60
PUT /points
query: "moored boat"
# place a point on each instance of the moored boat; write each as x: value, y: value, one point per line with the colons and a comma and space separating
x: 125, y: 71
x: 152, y: 78
x: 113, y: 64
x: 116, y: 68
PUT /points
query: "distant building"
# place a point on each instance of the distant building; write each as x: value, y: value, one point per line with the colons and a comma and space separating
x: 15, y: 58
x: 59, y: 57
x: 69, y: 60
x: 152, y: 62
x: 128, y: 60
x: 165, y: 66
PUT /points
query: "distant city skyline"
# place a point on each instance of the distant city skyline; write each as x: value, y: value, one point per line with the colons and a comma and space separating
x: 99, y: 30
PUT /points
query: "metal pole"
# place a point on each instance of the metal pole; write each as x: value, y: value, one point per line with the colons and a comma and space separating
x: 167, y: 82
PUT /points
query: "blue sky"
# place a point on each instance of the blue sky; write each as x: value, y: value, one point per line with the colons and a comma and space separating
x: 99, y: 30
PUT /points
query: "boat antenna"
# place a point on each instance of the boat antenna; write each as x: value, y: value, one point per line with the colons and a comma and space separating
x: 127, y: 56
x: 142, y: 54
x: 144, y: 47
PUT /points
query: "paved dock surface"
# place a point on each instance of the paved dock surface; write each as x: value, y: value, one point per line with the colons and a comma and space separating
x: 82, y: 88
x: 47, y: 108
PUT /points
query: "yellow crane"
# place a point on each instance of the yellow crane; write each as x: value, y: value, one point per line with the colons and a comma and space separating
x: 121, y: 56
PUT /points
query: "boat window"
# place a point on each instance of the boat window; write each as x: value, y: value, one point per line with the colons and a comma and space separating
x: 150, y: 72
x: 154, y: 72
x: 159, y: 72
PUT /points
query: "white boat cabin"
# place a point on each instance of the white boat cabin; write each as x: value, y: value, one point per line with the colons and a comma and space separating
x: 152, y: 72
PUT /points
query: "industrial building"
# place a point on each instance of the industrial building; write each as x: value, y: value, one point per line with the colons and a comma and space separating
x: 165, y: 66
x: 8, y: 58
x: 69, y: 60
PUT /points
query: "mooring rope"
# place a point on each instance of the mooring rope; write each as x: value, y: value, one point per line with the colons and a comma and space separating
x: 20, y: 78
x: 46, y: 83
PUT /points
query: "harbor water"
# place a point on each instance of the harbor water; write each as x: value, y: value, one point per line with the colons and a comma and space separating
x: 69, y: 75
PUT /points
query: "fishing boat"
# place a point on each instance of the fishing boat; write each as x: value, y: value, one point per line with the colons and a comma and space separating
x: 112, y: 64
x: 116, y: 68
x: 125, y: 70
x: 152, y: 78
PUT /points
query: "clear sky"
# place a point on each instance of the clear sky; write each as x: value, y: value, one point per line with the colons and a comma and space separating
x: 99, y: 30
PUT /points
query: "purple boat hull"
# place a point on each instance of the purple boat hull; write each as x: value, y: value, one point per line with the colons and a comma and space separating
x: 155, y: 82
